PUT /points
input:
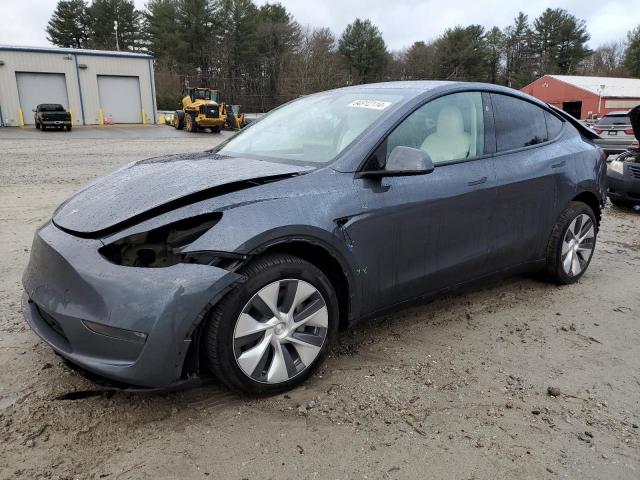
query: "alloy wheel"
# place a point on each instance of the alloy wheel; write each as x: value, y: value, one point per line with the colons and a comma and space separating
x: 280, y: 331
x: 577, y: 245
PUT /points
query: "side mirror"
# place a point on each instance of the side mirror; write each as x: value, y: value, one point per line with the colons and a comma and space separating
x: 403, y: 161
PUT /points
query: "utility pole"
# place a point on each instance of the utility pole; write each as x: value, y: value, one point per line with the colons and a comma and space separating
x: 115, y: 27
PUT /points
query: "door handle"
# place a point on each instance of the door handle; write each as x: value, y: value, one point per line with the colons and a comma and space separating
x: 558, y: 165
x: 477, y: 182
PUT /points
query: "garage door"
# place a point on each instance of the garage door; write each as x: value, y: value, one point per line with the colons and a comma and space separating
x: 36, y: 88
x: 120, y: 98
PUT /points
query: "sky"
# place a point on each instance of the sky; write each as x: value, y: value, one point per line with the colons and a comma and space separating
x: 22, y: 22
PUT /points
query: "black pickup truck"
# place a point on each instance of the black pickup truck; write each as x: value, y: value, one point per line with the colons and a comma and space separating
x: 52, y: 115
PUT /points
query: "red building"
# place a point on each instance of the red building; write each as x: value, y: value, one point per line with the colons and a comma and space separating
x: 586, y: 97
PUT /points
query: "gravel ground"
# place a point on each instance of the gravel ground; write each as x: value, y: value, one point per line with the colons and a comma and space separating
x: 518, y: 380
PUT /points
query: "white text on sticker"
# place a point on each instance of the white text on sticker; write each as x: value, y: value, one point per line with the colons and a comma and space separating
x: 372, y: 104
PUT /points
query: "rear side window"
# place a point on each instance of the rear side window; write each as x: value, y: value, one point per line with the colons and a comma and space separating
x: 518, y: 123
x: 554, y: 125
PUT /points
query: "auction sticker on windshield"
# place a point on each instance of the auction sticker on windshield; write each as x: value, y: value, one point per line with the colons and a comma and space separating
x: 372, y: 104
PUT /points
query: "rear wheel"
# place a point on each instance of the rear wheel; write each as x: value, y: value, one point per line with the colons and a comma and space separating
x: 178, y: 119
x: 215, y: 129
x: 43, y: 128
x: 571, y: 244
x: 271, y: 333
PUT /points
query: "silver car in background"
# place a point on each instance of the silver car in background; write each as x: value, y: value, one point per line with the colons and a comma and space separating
x: 616, y: 134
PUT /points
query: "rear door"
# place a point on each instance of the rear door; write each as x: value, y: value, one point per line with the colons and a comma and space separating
x: 529, y: 170
x: 423, y: 233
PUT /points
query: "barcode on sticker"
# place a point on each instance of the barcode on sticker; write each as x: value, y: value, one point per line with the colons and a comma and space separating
x: 372, y: 104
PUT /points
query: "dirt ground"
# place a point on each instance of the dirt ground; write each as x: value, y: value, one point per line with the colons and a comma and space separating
x: 455, y: 389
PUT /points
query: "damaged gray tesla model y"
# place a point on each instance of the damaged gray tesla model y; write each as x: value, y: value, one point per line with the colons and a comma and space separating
x: 245, y: 260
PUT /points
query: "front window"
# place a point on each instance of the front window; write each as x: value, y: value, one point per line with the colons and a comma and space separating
x: 448, y: 128
x: 313, y: 129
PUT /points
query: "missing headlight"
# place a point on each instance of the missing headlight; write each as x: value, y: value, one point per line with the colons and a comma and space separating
x: 159, y: 247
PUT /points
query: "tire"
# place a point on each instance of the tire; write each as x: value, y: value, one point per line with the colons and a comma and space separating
x: 190, y: 123
x: 178, y: 122
x: 619, y: 203
x: 571, y: 245
x: 215, y: 129
x: 43, y: 128
x: 37, y: 126
x: 68, y: 128
x: 228, y: 345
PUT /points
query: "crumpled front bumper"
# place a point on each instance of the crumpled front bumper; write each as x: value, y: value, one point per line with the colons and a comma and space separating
x: 67, y: 281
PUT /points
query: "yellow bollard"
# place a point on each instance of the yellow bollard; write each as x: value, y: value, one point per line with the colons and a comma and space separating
x: 161, y: 119
x: 101, y: 114
x: 21, y: 117
x: 71, y: 115
x: 144, y: 117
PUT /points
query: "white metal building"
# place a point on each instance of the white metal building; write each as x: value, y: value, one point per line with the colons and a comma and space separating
x: 95, y: 86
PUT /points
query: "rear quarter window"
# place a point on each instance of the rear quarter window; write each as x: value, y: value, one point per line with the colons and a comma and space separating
x: 518, y: 123
x: 554, y: 125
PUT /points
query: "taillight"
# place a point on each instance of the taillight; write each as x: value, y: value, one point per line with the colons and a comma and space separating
x: 628, y: 131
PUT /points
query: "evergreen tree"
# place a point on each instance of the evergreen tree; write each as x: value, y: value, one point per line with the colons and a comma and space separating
x: 197, y: 47
x: 115, y: 25
x: 278, y: 40
x: 559, y: 42
x: 161, y: 28
x: 518, y: 56
x: 495, y: 51
x: 238, y: 53
x: 461, y: 54
x: 419, y: 61
x: 68, y: 24
x: 364, y: 50
x: 632, y: 54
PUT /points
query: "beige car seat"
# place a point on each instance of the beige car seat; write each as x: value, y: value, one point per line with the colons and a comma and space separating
x: 450, y: 141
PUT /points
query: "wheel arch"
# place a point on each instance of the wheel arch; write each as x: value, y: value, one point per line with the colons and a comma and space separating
x: 324, y: 258
x: 591, y: 199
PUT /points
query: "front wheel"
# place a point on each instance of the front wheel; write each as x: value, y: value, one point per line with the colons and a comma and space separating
x: 190, y: 123
x: 571, y: 244
x: 271, y: 333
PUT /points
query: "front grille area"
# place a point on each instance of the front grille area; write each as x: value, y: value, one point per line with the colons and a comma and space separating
x: 634, y: 170
x: 210, y: 111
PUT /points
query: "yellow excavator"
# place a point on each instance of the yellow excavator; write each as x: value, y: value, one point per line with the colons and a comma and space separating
x: 201, y: 109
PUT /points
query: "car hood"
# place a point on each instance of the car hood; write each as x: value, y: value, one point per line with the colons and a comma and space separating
x: 634, y: 115
x: 147, y: 188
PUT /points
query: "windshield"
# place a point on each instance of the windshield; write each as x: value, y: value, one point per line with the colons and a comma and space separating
x: 51, y: 108
x: 313, y: 129
x: 612, y: 120
x: 205, y: 95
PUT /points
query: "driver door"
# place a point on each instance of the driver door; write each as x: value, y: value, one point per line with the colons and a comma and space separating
x: 423, y: 233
